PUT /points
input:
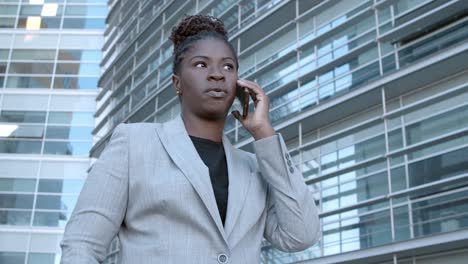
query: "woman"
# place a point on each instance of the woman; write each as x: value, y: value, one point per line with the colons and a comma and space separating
x: 178, y: 191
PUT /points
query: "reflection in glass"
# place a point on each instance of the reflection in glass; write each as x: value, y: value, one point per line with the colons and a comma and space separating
x: 28, y: 68
x: 27, y: 82
x: 12, y: 257
x: 439, y: 167
x: 20, y: 146
x: 75, y: 82
x: 27, y: 132
x: 17, y: 185
x: 22, y: 116
x: 77, y: 68
x: 43, y: 258
x: 71, y: 118
x: 60, y: 186
x: 441, y: 214
x: 79, y: 55
x: 19, y: 201
x: 15, y: 217
x: 437, y: 125
x: 56, y: 202
x: 84, y: 23
x: 67, y: 148
x: 52, y: 219
x: 31, y: 54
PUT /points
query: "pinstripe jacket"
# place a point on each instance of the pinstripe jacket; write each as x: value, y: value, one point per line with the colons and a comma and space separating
x: 151, y: 189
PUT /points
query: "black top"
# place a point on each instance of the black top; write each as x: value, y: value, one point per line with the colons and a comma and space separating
x: 213, y: 155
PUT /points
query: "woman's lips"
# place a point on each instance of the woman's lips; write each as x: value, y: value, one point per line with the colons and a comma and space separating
x: 215, y: 93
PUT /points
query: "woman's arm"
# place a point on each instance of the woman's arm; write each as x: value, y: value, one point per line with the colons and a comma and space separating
x: 292, y: 218
x: 292, y: 222
x: 101, y: 205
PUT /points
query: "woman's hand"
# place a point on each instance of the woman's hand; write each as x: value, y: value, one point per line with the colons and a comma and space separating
x: 257, y: 123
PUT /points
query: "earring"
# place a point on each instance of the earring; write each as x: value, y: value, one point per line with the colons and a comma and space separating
x: 178, y: 92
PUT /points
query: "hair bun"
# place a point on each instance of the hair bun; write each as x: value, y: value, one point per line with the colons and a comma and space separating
x: 192, y: 25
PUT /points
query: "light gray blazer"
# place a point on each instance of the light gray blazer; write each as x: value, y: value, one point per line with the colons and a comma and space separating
x: 151, y: 189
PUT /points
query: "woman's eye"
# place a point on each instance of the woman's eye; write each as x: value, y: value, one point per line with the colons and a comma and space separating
x: 228, y: 67
x: 200, y: 64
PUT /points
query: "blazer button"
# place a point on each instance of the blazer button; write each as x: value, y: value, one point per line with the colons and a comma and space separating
x: 289, y: 163
x: 291, y: 170
x: 223, y: 258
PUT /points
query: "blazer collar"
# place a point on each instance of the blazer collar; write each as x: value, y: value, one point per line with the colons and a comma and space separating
x: 179, y: 146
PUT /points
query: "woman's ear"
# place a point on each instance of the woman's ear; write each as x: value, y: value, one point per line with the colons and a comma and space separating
x: 176, y: 84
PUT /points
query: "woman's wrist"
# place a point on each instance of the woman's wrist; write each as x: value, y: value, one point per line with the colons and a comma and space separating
x: 263, y: 132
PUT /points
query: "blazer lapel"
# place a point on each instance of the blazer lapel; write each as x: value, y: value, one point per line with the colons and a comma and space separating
x: 239, y: 181
x: 179, y: 146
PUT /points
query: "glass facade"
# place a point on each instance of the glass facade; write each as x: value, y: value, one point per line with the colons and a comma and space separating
x: 370, y: 95
x: 49, y: 70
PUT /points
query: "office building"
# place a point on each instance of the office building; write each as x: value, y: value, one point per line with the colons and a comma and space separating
x: 50, y: 52
x: 370, y: 95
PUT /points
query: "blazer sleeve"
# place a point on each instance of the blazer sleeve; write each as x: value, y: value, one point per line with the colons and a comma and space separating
x: 292, y: 222
x: 101, y: 205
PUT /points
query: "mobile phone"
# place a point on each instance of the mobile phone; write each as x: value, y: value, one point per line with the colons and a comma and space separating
x: 243, y: 99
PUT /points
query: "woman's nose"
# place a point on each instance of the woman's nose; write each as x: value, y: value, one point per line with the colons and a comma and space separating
x: 215, y: 74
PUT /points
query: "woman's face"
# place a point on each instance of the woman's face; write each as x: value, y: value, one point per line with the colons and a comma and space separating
x: 207, y: 79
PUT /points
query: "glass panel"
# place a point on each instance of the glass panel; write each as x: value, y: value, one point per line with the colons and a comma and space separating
x: 395, y: 139
x: 60, y: 186
x: 84, y: 23
x: 441, y: 214
x: 18, y: 146
x: 33, y: 55
x: 352, y: 192
x: 439, y: 167
x: 81, y: 41
x: 69, y: 132
x: 28, y: 82
x: 34, y: 68
x: 73, y: 102
x: 8, y: 9
x: 64, y: 169
x: 76, y: 82
x: 42, y: 258
x: 35, y: 41
x: 444, y: 39
x: 25, y: 102
x: 77, y: 10
x: 37, y: 22
x: 77, y: 68
x: 12, y: 217
x: 437, y: 125
x: 398, y: 179
x: 39, y: 10
x: 12, y: 257
x: 401, y: 222
x: 26, y: 132
x: 77, y: 55
x: 7, y: 22
x: 17, y: 185
x: 54, y: 219
x: 56, y: 202
x: 4, y: 53
x: 71, y: 118
x: 20, y: 201
x: 22, y: 116
x: 67, y: 148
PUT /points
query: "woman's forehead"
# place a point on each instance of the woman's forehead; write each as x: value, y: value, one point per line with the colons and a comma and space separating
x: 210, y: 48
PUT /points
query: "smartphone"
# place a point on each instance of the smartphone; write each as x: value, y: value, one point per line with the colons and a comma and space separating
x: 243, y: 99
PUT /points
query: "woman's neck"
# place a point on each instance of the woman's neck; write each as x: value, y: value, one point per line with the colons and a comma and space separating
x: 203, y: 128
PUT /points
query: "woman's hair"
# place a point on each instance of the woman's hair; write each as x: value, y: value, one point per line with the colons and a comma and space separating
x: 193, y: 28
